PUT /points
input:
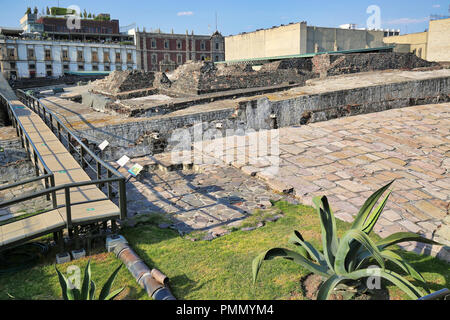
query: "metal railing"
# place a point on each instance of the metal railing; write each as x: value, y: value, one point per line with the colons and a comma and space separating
x: 42, y: 172
x: 73, y: 144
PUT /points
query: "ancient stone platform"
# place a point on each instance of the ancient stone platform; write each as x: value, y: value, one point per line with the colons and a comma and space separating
x: 347, y: 159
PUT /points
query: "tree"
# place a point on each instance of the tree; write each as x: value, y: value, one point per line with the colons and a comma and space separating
x: 48, y: 11
x: 28, y: 11
x: 90, y: 15
x: 85, y: 14
x: 35, y: 11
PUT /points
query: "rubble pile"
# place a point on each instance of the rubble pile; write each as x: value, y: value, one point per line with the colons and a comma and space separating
x: 337, y: 64
x: 123, y: 81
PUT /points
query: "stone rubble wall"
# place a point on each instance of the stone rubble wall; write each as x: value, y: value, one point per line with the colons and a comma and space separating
x: 262, y: 114
x: 337, y: 64
x: 123, y: 81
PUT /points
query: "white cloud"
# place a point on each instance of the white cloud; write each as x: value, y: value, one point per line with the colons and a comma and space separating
x: 436, y: 5
x: 407, y: 21
x: 185, y: 13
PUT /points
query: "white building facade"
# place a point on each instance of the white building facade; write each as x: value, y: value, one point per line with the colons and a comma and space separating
x: 32, y: 58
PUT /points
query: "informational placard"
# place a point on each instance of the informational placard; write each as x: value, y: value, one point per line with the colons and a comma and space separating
x: 103, y: 145
x: 123, y: 161
x: 135, y: 170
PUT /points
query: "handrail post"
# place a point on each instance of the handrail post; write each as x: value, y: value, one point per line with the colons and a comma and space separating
x: 52, y: 184
x: 82, y: 154
x: 68, y: 207
x: 59, y: 130
x: 109, y: 185
x: 99, y: 173
x: 47, y: 184
x: 123, y: 199
x: 36, y: 167
x: 68, y: 142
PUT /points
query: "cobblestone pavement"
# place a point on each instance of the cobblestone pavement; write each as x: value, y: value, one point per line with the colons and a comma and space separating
x: 199, y: 200
x: 347, y: 159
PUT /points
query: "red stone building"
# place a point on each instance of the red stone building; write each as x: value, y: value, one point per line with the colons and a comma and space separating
x: 158, y: 51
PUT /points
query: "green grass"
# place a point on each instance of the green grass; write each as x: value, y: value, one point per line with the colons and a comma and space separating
x: 220, y: 269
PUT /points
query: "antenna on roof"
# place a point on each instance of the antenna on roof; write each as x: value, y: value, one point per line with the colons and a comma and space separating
x: 216, y: 22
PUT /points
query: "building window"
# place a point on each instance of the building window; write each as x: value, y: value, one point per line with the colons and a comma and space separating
x: 129, y: 57
x: 179, y: 45
x: 32, y: 67
x: 180, y: 59
x: 203, y: 57
x: 153, y: 43
x: 80, y: 67
x: 48, y: 66
x: 107, y: 68
x: 154, y: 59
x: 30, y: 53
x: 49, y: 73
x: 106, y: 57
x: 12, y: 65
x: 119, y: 67
x: 65, y: 54
x: 118, y: 58
x: 202, y: 45
x: 11, y: 52
x: 217, y: 58
x: 95, y: 68
x: 48, y: 54
x: 217, y: 46
x: 80, y: 55
x: 166, y: 44
x: 94, y: 56
x: 66, y: 67
x: 166, y: 57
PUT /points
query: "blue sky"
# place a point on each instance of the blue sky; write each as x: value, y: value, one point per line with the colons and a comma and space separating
x: 242, y: 16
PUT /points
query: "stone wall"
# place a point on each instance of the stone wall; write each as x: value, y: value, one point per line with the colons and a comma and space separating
x: 123, y: 81
x: 261, y: 113
x: 336, y: 64
x: 14, y: 165
x: 205, y: 77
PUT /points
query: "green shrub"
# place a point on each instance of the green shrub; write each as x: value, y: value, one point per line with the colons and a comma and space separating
x: 87, y: 292
x: 347, y: 260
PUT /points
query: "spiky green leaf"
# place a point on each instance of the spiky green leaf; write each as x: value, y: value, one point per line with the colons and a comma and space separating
x: 344, y: 247
x: 307, y: 249
x: 326, y: 289
x: 107, y: 287
x: 67, y: 293
x: 403, y: 237
x: 114, y: 294
x: 328, y: 227
x: 86, y: 282
x: 392, y: 277
x: 369, y: 224
x: 92, y: 291
x: 367, y: 207
x: 289, y: 255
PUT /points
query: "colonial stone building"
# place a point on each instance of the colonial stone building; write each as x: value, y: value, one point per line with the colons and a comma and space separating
x: 24, y: 57
x: 158, y: 51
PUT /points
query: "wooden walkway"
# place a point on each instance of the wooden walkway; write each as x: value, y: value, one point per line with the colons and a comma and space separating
x: 66, y: 171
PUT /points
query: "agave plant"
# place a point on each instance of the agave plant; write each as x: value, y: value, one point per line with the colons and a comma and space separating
x: 87, y: 292
x: 347, y: 260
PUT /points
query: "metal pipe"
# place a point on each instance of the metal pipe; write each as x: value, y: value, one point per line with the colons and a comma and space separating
x: 142, y: 274
x: 441, y: 294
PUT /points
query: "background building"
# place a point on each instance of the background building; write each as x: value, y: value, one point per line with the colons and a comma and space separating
x: 22, y: 57
x: 431, y: 45
x: 299, y: 38
x: 157, y: 51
